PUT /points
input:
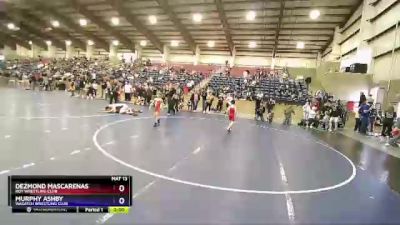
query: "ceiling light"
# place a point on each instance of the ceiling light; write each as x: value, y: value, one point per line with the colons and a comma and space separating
x: 211, y: 44
x: 11, y: 26
x: 115, y: 21
x: 115, y: 42
x: 174, y: 43
x: 83, y: 22
x: 55, y: 23
x: 90, y: 42
x: 48, y: 43
x: 252, y: 44
x: 68, y: 42
x: 251, y: 15
x: 314, y: 14
x: 197, y: 17
x: 30, y: 42
x: 143, y: 43
x: 300, y: 45
x: 153, y: 19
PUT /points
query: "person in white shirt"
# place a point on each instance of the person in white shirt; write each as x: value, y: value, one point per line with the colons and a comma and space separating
x: 95, y: 86
x: 311, y: 117
x: 93, y: 76
x: 306, y: 110
x: 128, y: 91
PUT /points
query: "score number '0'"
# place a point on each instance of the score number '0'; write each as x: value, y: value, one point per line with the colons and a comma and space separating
x: 121, y: 188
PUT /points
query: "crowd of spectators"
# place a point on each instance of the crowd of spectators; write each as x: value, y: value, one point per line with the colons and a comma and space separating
x: 273, y: 85
x: 367, y: 115
x: 99, y: 78
x: 323, y: 111
x: 139, y: 82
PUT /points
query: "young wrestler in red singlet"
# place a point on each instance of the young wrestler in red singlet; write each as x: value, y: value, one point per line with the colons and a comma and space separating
x: 158, y: 103
x: 231, y: 114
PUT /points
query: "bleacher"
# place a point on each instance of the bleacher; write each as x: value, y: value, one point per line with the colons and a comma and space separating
x: 160, y: 80
x: 287, y: 91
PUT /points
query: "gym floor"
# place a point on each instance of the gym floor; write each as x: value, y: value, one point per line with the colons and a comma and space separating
x: 190, y: 171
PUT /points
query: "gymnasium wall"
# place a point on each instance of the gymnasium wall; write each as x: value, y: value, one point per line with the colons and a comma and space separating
x: 244, y: 60
x: 372, y: 35
x: 9, y: 53
x: 385, y: 39
x: 344, y: 86
x: 349, y: 36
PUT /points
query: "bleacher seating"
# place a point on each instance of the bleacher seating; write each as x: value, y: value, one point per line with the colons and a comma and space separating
x: 160, y: 80
x: 288, y: 91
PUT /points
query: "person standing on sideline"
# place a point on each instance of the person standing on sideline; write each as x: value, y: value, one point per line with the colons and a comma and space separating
x: 231, y: 115
x: 395, y: 136
x: 194, y: 98
x: 334, y: 118
x: 158, y: 104
x: 288, y: 116
x: 306, y: 111
x: 114, y: 93
x: 170, y: 101
x: 358, y: 121
x: 72, y: 89
x: 128, y: 91
x: 108, y: 90
x: 204, y: 98
x: 257, y: 108
x: 220, y: 103
x: 364, y: 116
x: 387, y: 123
x: 372, y: 117
x: 362, y: 98
x: 103, y: 89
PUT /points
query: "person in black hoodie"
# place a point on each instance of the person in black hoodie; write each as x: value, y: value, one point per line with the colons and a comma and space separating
x: 257, y: 107
x: 362, y: 98
x: 114, y: 93
x: 170, y: 101
x: 204, y: 97
x: 388, y: 119
x: 220, y: 103
x: 334, y: 117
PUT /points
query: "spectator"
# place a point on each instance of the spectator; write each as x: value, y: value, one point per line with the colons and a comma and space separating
x: 209, y: 101
x: 362, y: 98
x: 288, y: 115
x: 395, y: 137
x: 387, y: 123
x: 128, y: 91
x: 270, y: 105
x: 334, y: 118
x: 103, y: 89
x: 312, y: 122
x: 72, y: 89
x: 364, y: 116
x: 114, y: 93
x: 372, y: 117
x: 306, y: 110
x: 194, y: 99
x: 257, y: 108
x: 220, y: 103
x: 204, y: 98
x: 357, y: 124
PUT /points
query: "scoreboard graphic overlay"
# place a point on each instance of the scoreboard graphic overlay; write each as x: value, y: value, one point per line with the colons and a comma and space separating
x: 70, y: 194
